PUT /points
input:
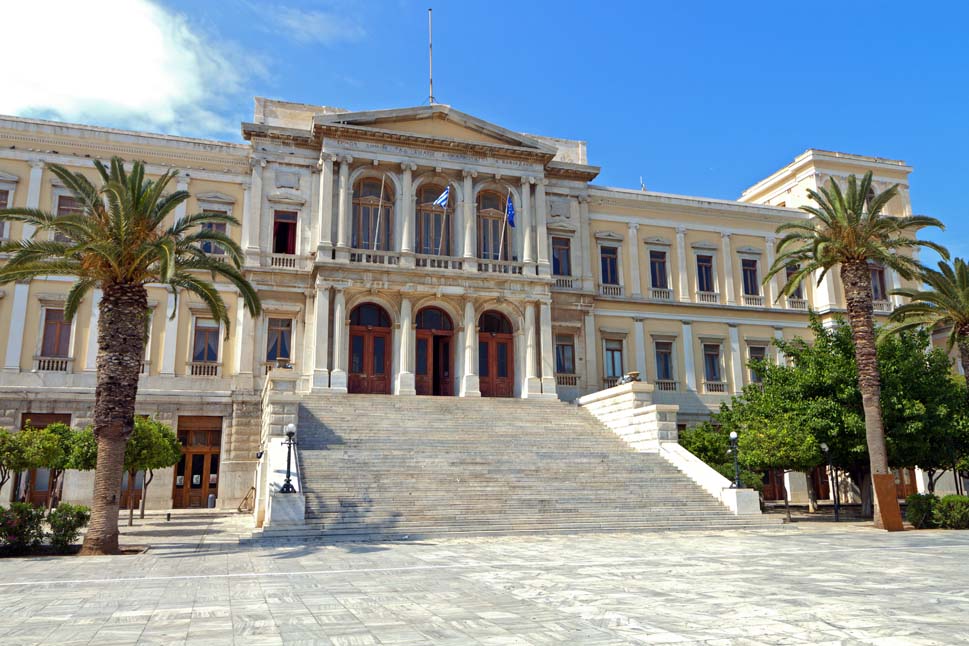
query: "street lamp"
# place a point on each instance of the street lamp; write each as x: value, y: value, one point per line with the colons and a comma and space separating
x: 834, y: 482
x: 288, y: 483
x: 736, y: 464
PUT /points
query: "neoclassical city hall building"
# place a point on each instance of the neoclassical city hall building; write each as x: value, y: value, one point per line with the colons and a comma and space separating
x: 372, y: 283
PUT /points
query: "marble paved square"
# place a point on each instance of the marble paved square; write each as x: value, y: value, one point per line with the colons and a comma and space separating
x: 816, y: 584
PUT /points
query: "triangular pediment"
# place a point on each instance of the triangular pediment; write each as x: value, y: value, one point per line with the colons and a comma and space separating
x: 435, y: 121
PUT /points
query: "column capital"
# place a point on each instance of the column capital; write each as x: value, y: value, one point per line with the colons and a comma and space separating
x: 346, y: 159
x: 583, y: 199
x: 36, y: 163
x: 633, y: 226
x: 680, y: 230
x: 770, y: 240
x: 408, y: 166
x: 526, y: 180
x: 257, y: 161
x: 541, y: 181
x: 246, y: 183
x: 467, y: 172
x: 725, y: 235
x: 686, y: 322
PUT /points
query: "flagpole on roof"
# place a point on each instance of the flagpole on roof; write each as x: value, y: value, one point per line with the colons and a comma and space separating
x: 440, y: 238
x: 380, y: 207
x: 430, y: 56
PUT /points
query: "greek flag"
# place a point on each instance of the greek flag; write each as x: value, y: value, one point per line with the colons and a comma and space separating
x: 510, y: 210
x: 443, y: 197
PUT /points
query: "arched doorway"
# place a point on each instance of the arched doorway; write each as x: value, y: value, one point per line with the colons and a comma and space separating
x: 370, y: 350
x: 434, y: 352
x: 496, y: 355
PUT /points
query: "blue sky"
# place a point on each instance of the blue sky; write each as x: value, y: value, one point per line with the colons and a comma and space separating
x: 700, y: 98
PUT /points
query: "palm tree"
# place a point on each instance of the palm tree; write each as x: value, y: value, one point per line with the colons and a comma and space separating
x: 848, y: 230
x: 943, y: 301
x: 119, y: 243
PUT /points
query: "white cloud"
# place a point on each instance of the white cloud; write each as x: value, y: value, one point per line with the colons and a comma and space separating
x: 124, y: 63
x: 311, y: 26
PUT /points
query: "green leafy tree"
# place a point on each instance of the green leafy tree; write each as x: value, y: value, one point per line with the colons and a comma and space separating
x: 38, y: 448
x: 84, y: 450
x: 152, y: 445
x: 942, y: 301
x: 848, y: 230
x: 9, y: 456
x: 712, y: 445
x: 123, y: 239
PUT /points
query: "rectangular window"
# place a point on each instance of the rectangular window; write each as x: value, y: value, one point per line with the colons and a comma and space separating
x: 284, y: 232
x: 564, y: 354
x: 206, y: 343
x: 613, y: 358
x: 790, y: 270
x: 609, y: 257
x: 711, y: 362
x: 704, y: 274
x: 658, y: 276
x: 493, y: 238
x: 878, y: 291
x: 664, y: 361
x: 57, y: 334
x: 4, y: 202
x: 208, y: 246
x: 756, y: 353
x: 66, y: 205
x: 561, y: 256
x: 279, y: 341
x: 748, y: 267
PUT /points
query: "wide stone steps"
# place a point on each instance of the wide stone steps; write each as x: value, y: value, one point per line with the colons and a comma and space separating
x: 381, y: 467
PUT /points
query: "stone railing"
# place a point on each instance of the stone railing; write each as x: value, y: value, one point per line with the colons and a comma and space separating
x: 566, y: 380
x: 610, y: 290
x: 281, y: 364
x: 667, y: 385
x: 661, y: 293
x: 565, y: 282
x: 432, y: 261
x: 53, y: 364
x: 882, y: 306
x: 609, y: 382
x: 797, y: 303
x: 376, y: 257
x: 500, y: 266
x: 718, y: 387
x: 754, y: 300
x: 204, y: 368
x: 707, y: 297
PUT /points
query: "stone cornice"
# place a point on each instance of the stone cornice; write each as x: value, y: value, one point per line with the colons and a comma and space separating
x: 660, y: 202
x: 569, y: 171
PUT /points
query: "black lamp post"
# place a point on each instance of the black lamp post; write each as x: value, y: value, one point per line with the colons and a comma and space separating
x: 736, y: 463
x: 290, y: 434
x: 834, y: 482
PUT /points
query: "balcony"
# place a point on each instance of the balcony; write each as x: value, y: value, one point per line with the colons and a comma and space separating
x: 278, y: 364
x: 282, y: 260
x: 566, y: 282
x: 708, y: 297
x: 375, y: 257
x: 204, y: 368
x: 715, y: 387
x: 609, y: 382
x: 753, y: 300
x: 610, y: 290
x: 661, y: 294
x: 511, y: 267
x: 667, y: 385
x: 882, y: 306
x: 566, y: 380
x: 797, y: 304
x: 437, y: 262
x: 53, y: 364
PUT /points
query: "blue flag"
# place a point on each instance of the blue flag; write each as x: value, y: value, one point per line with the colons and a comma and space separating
x: 510, y: 211
x: 443, y: 197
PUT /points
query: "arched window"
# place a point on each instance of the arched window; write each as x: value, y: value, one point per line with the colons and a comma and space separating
x: 494, y: 323
x: 433, y: 230
x: 433, y: 318
x: 493, y: 236
x: 373, y: 214
x: 369, y: 315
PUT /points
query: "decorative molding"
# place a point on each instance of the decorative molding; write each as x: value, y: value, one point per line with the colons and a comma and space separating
x: 609, y: 236
x: 215, y: 197
x: 657, y: 240
x: 750, y: 251
x: 705, y: 246
x: 286, y: 196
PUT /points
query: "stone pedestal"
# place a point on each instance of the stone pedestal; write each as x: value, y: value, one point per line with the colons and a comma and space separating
x: 406, y: 384
x: 338, y: 381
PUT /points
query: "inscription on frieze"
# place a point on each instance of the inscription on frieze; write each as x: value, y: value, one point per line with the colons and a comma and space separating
x: 380, y: 150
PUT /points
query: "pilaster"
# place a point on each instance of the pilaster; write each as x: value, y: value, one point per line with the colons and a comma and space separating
x: 632, y: 250
x: 33, y: 194
x: 541, y: 230
x: 338, y: 377
x: 171, y: 337
x: 469, y: 383
x: 15, y: 338
x: 91, y: 362
x: 325, y: 207
x: 728, y: 269
x: 736, y: 359
x: 406, y: 217
x: 344, y: 207
x: 591, y: 353
x: 405, y: 373
x: 689, y: 363
x: 533, y: 383
x: 685, y: 293
x: 771, y: 289
x: 548, y: 348
x: 470, y: 224
x: 640, y: 332
x: 321, y: 374
x: 585, y: 242
x: 527, y: 237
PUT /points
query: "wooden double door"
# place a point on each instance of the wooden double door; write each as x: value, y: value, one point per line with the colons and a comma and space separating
x: 369, y: 360
x: 434, y: 352
x: 496, y: 365
x: 197, y: 472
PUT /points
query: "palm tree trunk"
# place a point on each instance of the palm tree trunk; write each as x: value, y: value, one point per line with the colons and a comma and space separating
x: 856, y: 277
x: 121, y: 343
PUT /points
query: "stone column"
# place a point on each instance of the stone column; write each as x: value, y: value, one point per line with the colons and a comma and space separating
x: 15, y: 337
x: 585, y: 242
x: 407, y: 215
x: 541, y: 231
x: 689, y: 364
x: 338, y: 376
x: 683, y: 275
x: 640, y: 332
x: 728, y: 269
x: 771, y: 288
x: 591, y: 353
x: 171, y: 337
x: 344, y: 207
x: 33, y: 193
x: 736, y: 359
x: 312, y: 241
x: 181, y: 210
x: 896, y: 284
x: 548, y: 348
x: 321, y: 373
x: 527, y: 236
x: 91, y: 363
x: 632, y: 250
x: 469, y: 386
x: 253, y: 216
x: 533, y: 383
x: 470, y: 225
x: 781, y: 358
x: 325, y: 209
x: 405, y: 373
